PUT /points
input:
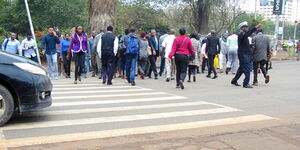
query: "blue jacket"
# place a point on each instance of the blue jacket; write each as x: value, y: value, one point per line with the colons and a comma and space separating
x: 49, y: 41
x: 64, y: 46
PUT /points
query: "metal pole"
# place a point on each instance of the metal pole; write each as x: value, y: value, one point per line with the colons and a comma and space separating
x: 283, y: 21
x: 255, y: 12
x: 32, y: 29
x: 276, y: 32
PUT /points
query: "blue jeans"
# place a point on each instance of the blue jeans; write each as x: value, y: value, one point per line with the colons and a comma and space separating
x: 52, y: 61
x: 87, y: 64
x: 245, y: 68
x: 131, y: 66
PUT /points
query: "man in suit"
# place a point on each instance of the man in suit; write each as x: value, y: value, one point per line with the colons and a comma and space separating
x: 154, y: 45
x: 212, y: 49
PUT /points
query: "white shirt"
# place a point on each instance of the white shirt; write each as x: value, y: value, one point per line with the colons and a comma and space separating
x: 25, y: 46
x: 116, y: 45
x: 168, y: 43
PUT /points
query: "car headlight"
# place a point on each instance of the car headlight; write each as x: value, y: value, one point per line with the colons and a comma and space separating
x: 31, y: 68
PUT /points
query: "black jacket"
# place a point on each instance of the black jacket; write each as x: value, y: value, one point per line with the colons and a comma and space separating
x: 152, y: 44
x: 243, y: 42
x: 213, y: 45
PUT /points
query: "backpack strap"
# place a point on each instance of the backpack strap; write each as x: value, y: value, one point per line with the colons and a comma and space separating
x: 5, y: 44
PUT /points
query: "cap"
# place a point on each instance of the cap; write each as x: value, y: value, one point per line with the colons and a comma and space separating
x: 243, y: 24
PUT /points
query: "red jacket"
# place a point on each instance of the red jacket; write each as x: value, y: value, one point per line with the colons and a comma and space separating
x: 182, y: 45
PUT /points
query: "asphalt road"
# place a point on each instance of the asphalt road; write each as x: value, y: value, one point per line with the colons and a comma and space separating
x: 154, y: 109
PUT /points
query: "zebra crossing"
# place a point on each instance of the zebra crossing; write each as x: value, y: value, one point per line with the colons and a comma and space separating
x: 91, y: 110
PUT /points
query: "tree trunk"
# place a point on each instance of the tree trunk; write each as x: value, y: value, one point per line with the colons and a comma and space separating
x: 101, y: 14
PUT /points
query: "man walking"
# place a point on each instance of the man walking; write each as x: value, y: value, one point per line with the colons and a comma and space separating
x: 232, y: 64
x: 162, y: 53
x: 28, y: 48
x: 108, y: 47
x: 170, y: 63
x: 154, y: 45
x: 244, y: 52
x: 97, y: 55
x: 260, y: 55
x: 93, y: 56
x: 49, y: 43
x: 131, y: 53
x: 212, y: 49
x: 11, y: 45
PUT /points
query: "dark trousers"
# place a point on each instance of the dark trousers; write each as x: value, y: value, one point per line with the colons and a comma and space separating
x: 79, y: 59
x: 204, y: 64
x: 181, y: 62
x: 244, y: 68
x: 261, y: 65
x: 107, y: 58
x: 192, y: 70
x: 211, y: 67
x: 94, y: 63
x: 67, y: 63
x: 152, y: 59
x: 34, y: 59
x: 162, y: 65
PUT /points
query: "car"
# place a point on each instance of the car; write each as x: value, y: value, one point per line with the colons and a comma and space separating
x: 24, y: 86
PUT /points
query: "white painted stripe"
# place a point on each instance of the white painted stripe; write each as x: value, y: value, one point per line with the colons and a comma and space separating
x: 107, y: 95
x: 84, y: 84
x: 99, y: 91
x: 169, y: 98
x: 93, y: 88
x: 130, y: 131
x: 109, y: 109
x: 45, y: 124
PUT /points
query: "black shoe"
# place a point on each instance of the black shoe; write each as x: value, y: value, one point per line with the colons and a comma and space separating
x: 100, y: 77
x: 133, y: 83
x: 228, y: 70
x: 109, y: 83
x: 181, y: 85
x: 155, y: 77
x: 194, y: 78
x: 128, y: 80
x: 172, y: 78
x: 188, y: 80
x: 177, y: 86
x: 168, y: 79
x: 235, y: 83
x: 248, y: 86
x: 208, y: 76
x: 104, y: 81
x: 215, y: 77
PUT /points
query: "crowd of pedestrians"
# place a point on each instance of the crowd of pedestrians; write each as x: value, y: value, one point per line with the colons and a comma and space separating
x: 108, y: 56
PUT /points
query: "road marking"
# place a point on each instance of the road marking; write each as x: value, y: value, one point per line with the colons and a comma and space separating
x: 93, y: 88
x: 45, y: 124
x: 103, y: 91
x: 83, y: 84
x: 107, y: 95
x: 130, y: 131
x: 169, y: 98
x: 97, y: 110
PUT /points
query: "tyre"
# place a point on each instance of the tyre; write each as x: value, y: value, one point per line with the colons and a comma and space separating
x: 6, y: 105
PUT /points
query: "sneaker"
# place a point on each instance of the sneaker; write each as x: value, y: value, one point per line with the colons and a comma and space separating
x: 188, y: 80
x: 177, y: 86
x: 103, y: 81
x: 181, y: 85
x: 168, y: 79
x: 267, y: 79
x: 215, y: 77
x: 133, y: 83
x: 128, y: 80
x: 56, y: 78
x: 248, y: 86
x: 155, y: 77
x: 172, y: 78
x: 79, y: 78
x: 208, y: 76
x: 255, y: 84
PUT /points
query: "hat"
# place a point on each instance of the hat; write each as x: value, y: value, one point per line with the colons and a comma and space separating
x: 243, y: 24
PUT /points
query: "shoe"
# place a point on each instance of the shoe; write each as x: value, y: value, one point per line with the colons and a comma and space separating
x: 104, y: 81
x: 177, y: 86
x: 181, y: 85
x: 208, y: 76
x: 228, y: 70
x: 109, y: 83
x: 248, y: 86
x: 255, y: 84
x: 150, y: 77
x: 188, y: 80
x: 100, y: 77
x: 143, y: 76
x: 202, y: 71
x: 133, y: 83
x: 75, y: 82
x: 66, y: 77
x: 155, y: 77
x: 215, y: 77
x: 79, y: 78
x: 235, y: 83
x: 85, y: 76
x: 168, y: 79
x: 267, y: 79
x: 56, y: 78
x: 172, y: 78
x: 93, y: 74
x: 194, y: 78
x: 128, y: 80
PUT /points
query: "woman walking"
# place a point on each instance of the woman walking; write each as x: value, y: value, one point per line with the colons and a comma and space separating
x: 143, y: 55
x: 182, y: 48
x: 79, y: 47
x: 193, y: 62
x: 64, y: 47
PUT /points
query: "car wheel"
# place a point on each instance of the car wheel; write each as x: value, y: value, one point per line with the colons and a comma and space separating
x: 6, y: 105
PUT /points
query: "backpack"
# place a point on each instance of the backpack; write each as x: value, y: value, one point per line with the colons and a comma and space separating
x: 5, y: 44
x: 132, y: 46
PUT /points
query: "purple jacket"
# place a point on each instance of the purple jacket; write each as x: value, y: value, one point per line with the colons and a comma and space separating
x: 75, y: 43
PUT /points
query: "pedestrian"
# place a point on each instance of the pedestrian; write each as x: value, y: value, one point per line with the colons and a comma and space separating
x: 59, y: 61
x: 204, y: 56
x: 28, y: 48
x: 143, y: 54
x: 182, y: 48
x: 232, y: 64
x: 223, y: 56
x: 64, y: 46
x: 79, y: 48
x: 212, y: 50
x: 193, y: 62
x: 108, y: 47
x: 98, y: 69
x: 154, y: 45
x: 11, y: 45
x: 170, y: 63
x: 260, y: 55
x: 93, y: 55
x: 49, y: 42
x: 131, y: 53
x: 121, y: 52
x: 88, y: 58
x: 244, y: 52
x: 162, y: 53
